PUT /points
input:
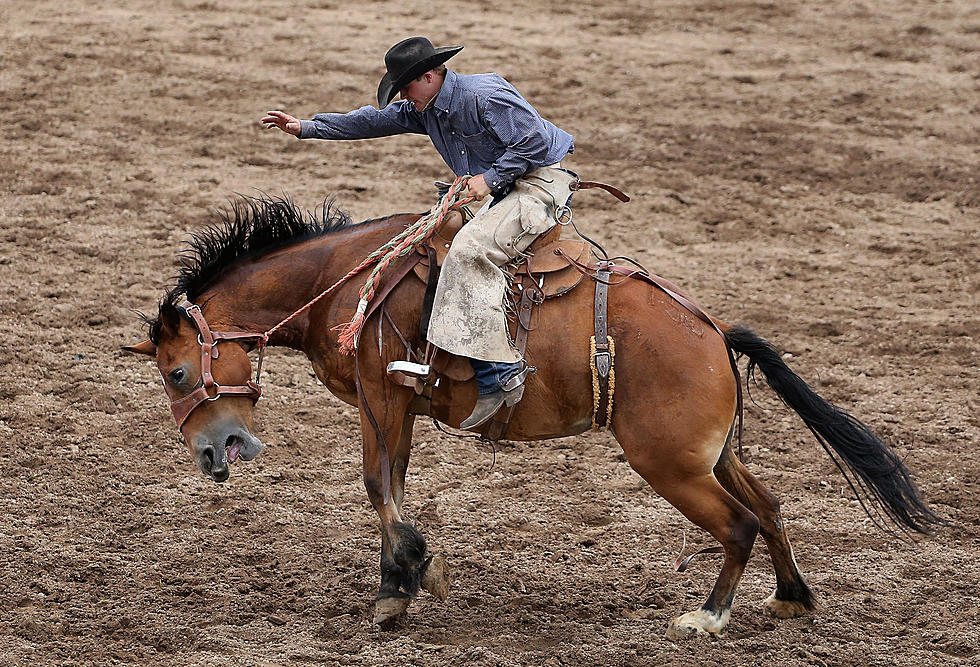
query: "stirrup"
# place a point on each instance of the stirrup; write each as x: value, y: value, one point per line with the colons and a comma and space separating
x: 410, y: 368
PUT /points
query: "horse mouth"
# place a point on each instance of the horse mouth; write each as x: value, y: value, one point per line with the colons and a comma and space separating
x: 233, y: 447
x: 215, y: 457
x: 242, y: 445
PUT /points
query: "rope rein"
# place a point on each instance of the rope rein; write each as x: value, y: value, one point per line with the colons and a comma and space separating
x: 399, y: 246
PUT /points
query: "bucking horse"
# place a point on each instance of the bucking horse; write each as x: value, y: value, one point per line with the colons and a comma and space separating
x: 259, y: 277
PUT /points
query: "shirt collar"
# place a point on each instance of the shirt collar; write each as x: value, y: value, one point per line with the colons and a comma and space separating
x: 445, y: 96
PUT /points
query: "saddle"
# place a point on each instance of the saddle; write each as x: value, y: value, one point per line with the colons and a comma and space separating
x: 555, y: 275
x: 545, y: 274
x: 550, y: 268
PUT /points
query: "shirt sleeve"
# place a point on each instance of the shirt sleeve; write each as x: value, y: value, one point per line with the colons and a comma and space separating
x: 519, y: 127
x: 365, y: 123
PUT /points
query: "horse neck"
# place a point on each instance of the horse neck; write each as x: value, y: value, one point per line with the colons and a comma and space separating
x: 259, y: 293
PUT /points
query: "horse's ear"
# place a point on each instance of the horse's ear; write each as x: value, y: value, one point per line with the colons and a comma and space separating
x: 146, y: 347
x: 170, y: 318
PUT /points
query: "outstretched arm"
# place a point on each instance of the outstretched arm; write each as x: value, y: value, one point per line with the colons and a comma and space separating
x: 364, y: 123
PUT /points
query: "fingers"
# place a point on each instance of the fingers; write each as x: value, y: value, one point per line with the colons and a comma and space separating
x: 477, y: 188
x: 283, y: 121
x: 276, y: 118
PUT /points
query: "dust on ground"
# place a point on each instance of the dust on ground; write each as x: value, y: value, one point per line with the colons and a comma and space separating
x: 808, y: 169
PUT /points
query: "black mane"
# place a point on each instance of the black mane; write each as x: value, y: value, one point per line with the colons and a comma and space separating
x: 251, y: 226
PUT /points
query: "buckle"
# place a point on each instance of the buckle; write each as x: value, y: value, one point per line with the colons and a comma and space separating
x: 603, y: 360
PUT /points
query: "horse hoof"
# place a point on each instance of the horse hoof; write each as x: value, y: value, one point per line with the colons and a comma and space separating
x: 387, y: 610
x: 697, y: 624
x: 435, y: 579
x: 784, y: 608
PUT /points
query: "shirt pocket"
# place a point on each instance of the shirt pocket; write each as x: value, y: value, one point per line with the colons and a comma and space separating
x: 467, y: 123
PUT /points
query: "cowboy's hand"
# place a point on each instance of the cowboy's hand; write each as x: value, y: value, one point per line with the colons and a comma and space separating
x: 283, y: 121
x: 477, y: 187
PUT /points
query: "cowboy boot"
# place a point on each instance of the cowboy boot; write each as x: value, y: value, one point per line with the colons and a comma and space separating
x: 487, y: 405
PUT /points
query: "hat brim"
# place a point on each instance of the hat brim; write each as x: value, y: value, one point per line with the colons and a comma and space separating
x: 390, y: 86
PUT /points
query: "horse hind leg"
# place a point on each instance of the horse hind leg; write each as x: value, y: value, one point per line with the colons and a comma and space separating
x: 687, y: 483
x: 792, y: 596
x: 703, y: 500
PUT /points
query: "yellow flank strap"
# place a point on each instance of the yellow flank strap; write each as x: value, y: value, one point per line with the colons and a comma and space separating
x: 595, y: 381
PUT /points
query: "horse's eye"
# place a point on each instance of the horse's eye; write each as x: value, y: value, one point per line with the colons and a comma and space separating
x: 176, y: 375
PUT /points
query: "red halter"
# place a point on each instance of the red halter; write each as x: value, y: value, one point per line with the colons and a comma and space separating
x: 183, y: 407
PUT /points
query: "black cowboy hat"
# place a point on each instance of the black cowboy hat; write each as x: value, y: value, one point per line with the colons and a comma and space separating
x: 408, y: 60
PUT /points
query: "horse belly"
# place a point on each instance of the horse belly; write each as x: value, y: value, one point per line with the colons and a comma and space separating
x: 558, y: 399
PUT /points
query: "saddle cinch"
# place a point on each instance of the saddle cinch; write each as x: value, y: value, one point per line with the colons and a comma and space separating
x: 544, y: 274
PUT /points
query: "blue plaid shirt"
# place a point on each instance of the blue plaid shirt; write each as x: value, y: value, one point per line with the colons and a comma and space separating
x: 479, y: 123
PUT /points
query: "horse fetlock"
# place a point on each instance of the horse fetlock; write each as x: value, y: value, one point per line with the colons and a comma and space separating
x: 784, y: 608
x: 700, y: 623
x: 435, y: 577
x: 409, y: 556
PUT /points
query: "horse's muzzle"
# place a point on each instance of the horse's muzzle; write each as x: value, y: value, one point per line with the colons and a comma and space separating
x: 215, y: 454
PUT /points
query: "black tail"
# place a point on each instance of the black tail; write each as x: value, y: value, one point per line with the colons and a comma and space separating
x: 874, y: 468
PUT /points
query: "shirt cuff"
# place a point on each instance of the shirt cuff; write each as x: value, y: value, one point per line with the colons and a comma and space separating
x: 493, y: 180
x: 306, y: 129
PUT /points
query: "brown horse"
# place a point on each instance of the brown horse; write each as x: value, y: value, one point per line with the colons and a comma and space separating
x: 675, y: 392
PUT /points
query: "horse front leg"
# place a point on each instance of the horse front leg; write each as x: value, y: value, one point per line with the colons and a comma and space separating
x: 435, y: 576
x: 405, y: 565
x: 397, y: 582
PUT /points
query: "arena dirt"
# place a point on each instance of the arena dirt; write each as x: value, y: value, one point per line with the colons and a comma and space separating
x: 807, y: 169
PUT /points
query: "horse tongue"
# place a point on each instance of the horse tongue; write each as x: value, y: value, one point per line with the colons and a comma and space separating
x: 233, y: 450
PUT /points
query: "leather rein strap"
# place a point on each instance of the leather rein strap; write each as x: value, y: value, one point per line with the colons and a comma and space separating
x: 586, y: 185
x: 207, y: 388
x: 396, y: 277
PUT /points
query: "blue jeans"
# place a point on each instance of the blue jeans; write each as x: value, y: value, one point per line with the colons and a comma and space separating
x: 491, y: 375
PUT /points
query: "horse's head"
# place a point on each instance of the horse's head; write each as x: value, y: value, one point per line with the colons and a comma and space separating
x: 200, y: 366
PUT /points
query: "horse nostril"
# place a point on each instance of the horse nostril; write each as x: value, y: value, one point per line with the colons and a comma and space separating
x: 212, y: 462
x: 207, y: 458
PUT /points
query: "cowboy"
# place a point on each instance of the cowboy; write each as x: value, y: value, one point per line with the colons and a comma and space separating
x: 480, y: 125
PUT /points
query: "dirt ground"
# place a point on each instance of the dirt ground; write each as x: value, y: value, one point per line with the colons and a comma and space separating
x: 808, y: 169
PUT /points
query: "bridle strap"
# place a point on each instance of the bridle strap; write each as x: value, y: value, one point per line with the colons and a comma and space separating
x: 183, y: 407
x: 208, y: 339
